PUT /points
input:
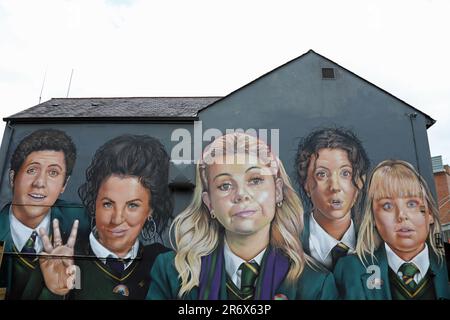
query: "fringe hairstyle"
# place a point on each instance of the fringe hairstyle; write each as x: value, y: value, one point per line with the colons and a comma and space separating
x: 394, y: 178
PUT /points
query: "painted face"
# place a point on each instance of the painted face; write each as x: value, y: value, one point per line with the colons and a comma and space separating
x: 121, y: 209
x: 329, y: 184
x: 403, y: 223
x: 37, y: 185
x: 243, y: 196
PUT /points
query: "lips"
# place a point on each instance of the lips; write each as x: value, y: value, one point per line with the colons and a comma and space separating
x: 404, y: 231
x: 118, y: 232
x: 37, y: 196
x: 244, y: 213
x: 337, y: 204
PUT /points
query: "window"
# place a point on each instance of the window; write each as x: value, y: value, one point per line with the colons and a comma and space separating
x: 327, y: 73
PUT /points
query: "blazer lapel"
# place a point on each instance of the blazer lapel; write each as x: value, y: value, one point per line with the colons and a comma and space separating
x: 384, y: 292
x: 223, y: 295
x: 305, y: 232
x: 5, y: 235
x: 5, y: 231
x: 440, y: 278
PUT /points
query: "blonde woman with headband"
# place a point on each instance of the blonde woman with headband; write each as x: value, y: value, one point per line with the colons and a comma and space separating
x: 397, y: 255
x: 239, y: 238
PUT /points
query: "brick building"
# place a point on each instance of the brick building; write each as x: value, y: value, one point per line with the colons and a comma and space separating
x: 441, y: 174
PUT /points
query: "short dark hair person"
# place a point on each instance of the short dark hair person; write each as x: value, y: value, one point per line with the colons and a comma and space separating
x: 45, y: 140
x: 332, y: 138
x: 138, y: 156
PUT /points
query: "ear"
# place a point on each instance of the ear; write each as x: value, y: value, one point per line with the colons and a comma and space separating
x: 150, y: 213
x: 306, y: 188
x: 431, y: 215
x: 65, y: 185
x: 206, y: 200
x: 11, y: 178
x: 279, y: 190
x: 360, y: 182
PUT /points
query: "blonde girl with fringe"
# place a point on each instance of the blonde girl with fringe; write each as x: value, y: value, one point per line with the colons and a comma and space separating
x: 244, y: 216
x: 398, y: 241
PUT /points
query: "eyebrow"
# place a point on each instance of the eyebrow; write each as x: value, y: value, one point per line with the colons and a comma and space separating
x: 229, y: 175
x: 251, y: 168
x: 343, y: 166
x: 134, y: 200
x: 39, y: 164
x: 221, y: 174
x: 106, y: 198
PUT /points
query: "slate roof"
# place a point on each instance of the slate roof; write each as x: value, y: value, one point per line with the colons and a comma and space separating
x: 154, y: 108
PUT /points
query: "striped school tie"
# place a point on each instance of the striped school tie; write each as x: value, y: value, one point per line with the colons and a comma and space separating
x: 340, y: 250
x: 250, y: 272
x: 29, y: 245
x: 409, y: 270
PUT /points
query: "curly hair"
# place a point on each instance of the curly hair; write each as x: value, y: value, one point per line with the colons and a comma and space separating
x: 138, y: 156
x: 45, y: 140
x: 333, y: 138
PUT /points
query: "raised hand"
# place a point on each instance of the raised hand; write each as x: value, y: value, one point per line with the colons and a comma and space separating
x: 56, y: 261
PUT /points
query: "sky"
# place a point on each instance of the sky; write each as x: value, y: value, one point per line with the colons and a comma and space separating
x: 135, y: 48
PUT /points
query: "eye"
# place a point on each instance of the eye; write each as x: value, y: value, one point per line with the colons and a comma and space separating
x: 32, y: 170
x: 107, y: 204
x: 388, y: 206
x: 346, y: 173
x: 256, y: 180
x: 133, y: 205
x: 226, y: 186
x: 53, y: 173
x: 412, y: 204
x: 321, y: 175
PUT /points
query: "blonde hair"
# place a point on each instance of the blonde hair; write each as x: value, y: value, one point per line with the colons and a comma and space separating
x: 393, y: 178
x: 197, y: 234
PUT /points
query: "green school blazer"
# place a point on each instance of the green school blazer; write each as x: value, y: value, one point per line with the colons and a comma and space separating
x: 312, y: 285
x: 352, y: 278
x: 66, y: 213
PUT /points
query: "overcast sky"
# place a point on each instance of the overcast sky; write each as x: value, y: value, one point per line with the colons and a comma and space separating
x: 210, y: 48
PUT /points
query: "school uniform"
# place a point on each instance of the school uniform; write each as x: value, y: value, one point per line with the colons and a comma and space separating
x: 105, y: 277
x: 355, y: 280
x: 20, y: 273
x: 321, y: 246
x: 216, y: 283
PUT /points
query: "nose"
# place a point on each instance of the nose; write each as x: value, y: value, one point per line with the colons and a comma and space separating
x: 335, y: 185
x: 401, y: 214
x: 118, y: 216
x: 241, y: 195
x: 40, y: 181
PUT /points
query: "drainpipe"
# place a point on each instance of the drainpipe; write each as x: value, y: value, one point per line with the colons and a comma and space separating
x: 412, y: 116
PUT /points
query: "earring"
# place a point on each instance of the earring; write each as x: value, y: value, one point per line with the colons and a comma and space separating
x: 280, y: 204
x: 148, y: 232
x: 213, y: 216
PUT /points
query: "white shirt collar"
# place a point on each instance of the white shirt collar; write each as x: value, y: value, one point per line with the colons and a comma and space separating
x: 421, y: 261
x: 20, y: 233
x: 233, y: 262
x: 321, y: 243
x: 102, y: 253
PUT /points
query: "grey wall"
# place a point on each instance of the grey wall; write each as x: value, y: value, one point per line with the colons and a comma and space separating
x: 296, y: 100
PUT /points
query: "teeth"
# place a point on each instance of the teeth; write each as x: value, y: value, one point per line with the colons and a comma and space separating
x: 39, y: 196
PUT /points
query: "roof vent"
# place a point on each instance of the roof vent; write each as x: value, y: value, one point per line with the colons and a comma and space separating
x: 55, y: 104
x: 95, y: 104
x: 328, y: 73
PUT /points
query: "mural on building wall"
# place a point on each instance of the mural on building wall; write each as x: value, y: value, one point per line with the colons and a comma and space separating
x: 247, y: 234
